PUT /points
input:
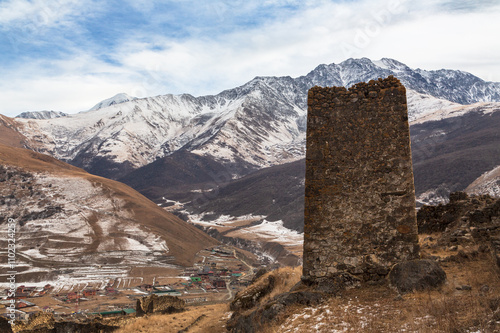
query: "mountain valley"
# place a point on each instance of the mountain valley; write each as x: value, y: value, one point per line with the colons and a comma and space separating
x: 196, y: 197
x: 221, y: 161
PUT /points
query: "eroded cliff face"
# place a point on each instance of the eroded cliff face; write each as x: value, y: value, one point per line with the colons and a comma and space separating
x: 360, y: 198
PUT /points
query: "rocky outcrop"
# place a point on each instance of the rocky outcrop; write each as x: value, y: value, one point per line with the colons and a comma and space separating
x: 465, y: 220
x: 250, y: 297
x: 268, y: 298
x: 159, y: 304
x: 253, y: 321
x: 437, y: 218
x: 417, y: 275
x: 40, y: 322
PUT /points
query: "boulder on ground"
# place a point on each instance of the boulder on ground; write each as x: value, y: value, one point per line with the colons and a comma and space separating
x: 416, y: 275
x: 252, y: 321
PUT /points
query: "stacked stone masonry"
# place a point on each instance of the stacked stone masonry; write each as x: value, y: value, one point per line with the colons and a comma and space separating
x: 360, y: 199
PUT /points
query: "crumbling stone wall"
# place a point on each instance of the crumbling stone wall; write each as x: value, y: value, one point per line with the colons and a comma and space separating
x: 159, y: 304
x: 360, y: 198
x: 464, y: 221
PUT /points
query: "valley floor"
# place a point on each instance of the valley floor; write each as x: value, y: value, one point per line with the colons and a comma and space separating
x: 217, y: 275
x: 469, y: 302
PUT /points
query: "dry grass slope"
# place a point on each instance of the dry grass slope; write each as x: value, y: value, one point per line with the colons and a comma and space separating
x: 381, y: 309
x: 9, y: 134
x: 200, y: 319
x: 285, y: 278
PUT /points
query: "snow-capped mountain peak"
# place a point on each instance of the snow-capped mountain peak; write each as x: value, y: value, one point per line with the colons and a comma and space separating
x: 117, y: 99
x: 390, y: 64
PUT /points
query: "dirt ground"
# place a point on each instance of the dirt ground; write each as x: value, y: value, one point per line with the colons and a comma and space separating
x: 198, y: 319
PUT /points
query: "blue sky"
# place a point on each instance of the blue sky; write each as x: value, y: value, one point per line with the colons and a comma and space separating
x: 67, y: 55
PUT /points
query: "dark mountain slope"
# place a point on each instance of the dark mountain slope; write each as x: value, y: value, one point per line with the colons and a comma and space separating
x: 174, y: 175
x: 277, y: 192
x: 450, y: 154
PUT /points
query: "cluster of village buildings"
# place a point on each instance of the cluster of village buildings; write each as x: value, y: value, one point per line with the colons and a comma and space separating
x: 198, y: 283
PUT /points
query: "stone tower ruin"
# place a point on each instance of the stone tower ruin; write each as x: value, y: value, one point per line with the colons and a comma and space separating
x: 360, y: 199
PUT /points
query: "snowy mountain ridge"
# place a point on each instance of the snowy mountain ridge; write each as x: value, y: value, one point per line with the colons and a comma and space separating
x: 41, y: 114
x: 259, y: 124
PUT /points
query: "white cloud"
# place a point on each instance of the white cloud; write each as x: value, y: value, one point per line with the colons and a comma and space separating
x: 39, y: 23
x: 70, y: 85
x: 325, y: 34
x: 457, y: 40
x: 63, y: 93
x: 420, y: 34
x: 39, y: 13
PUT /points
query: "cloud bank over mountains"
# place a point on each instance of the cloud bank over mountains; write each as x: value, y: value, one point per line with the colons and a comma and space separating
x: 66, y: 55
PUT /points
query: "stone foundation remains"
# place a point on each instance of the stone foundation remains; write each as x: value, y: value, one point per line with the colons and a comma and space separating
x: 360, y: 199
x: 159, y: 304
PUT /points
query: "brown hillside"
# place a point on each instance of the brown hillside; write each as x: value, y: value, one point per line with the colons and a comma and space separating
x: 183, y: 240
x: 9, y: 134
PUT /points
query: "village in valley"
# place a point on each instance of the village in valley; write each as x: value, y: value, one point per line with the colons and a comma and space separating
x: 218, y: 274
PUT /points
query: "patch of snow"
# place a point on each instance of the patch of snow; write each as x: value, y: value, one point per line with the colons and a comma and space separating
x: 434, y: 197
x: 275, y: 231
x: 421, y: 105
x: 487, y: 183
x: 33, y: 253
x: 458, y: 110
x: 223, y: 220
x: 380, y: 63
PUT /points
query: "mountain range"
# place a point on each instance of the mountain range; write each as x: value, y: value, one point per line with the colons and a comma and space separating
x: 259, y: 124
x: 207, y: 151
